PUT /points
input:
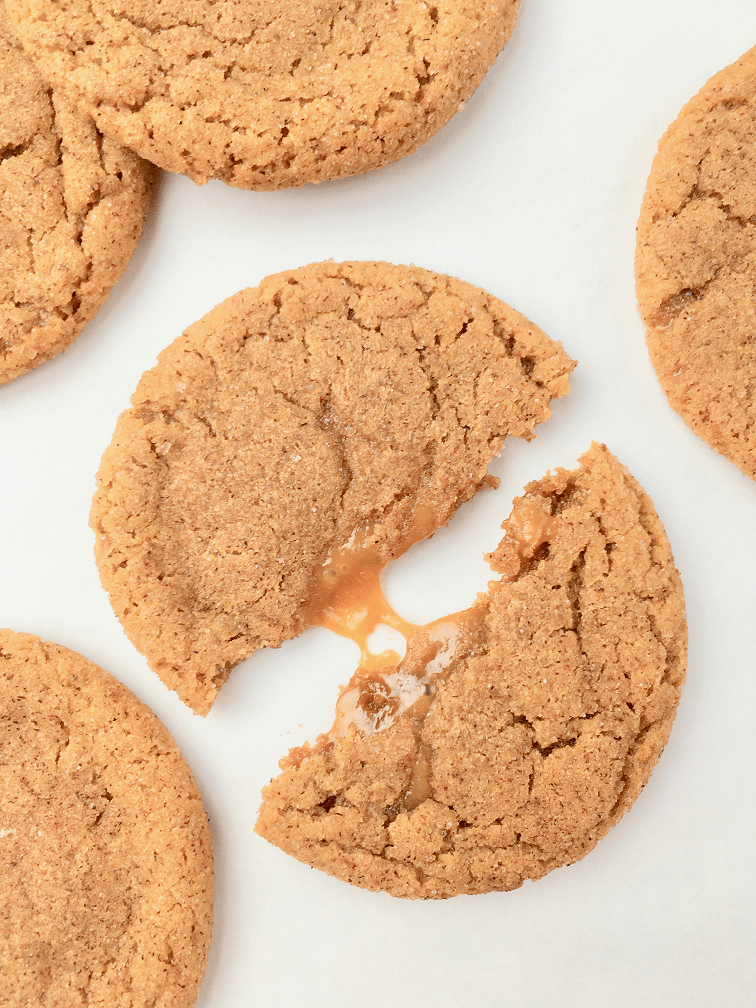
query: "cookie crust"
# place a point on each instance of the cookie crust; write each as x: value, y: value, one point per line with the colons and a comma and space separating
x: 106, y: 877
x: 263, y: 95
x: 696, y: 263
x: 72, y: 206
x: 329, y: 398
x: 537, y: 742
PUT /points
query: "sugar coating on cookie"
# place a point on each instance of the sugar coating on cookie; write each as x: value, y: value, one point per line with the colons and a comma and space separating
x: 106, y: 872
x: 72, y: 206
x: 696, y: 263
x: 329, y: 400
x: 266, y: 95
x: 540, y: 714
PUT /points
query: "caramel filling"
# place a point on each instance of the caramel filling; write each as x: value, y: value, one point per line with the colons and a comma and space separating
x: 375, y: 697
x: 529, y: 527
x: 348, y: 597
x: 349, y: 600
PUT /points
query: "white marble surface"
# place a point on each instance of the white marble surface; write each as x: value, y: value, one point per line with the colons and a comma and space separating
x: 533, y: 193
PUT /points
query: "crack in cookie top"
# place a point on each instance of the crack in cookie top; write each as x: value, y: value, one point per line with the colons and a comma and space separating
x: 266, y: 95
x: 696, y: 263
x: 334, y: 400
x: 72, y: 206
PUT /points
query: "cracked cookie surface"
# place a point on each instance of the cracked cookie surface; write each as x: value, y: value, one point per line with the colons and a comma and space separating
x: 696, y: 263
x: 265, y: 95
x: 543, y: 728
x: 106, y: 874
x: 72, y: 206
x: 336, y: 398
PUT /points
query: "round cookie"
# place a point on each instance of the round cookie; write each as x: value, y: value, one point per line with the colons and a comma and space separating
x: 264, y: 95
x: 539, y: 717
x: 106, y: 875
x: 72, y: 206
x: 332, y: 399
x: 696, y: 263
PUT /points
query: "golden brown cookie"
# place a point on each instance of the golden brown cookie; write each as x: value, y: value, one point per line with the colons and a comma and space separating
x: 696, y: 263
x: 513, y: 736
x: 106, y: 874
x: 329, y: 400
x: 72, y: 206
x: 266, y: 95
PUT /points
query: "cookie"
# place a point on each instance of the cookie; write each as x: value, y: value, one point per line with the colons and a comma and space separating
x: 696, y: 263
x: 514, y: 735
x: 106, y: 873
x: 72, y: 206
x: 263, y: 95
x: 331, y: 401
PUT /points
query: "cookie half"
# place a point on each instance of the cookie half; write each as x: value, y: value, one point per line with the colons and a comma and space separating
x: 696, y: 263
x: 106, y: 877
x: 265, y: 95
x: 72, y: 206
x: 513, y: 736
x: 331, y: 400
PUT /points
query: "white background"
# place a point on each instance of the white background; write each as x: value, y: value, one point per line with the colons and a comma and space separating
x: 532, y: 192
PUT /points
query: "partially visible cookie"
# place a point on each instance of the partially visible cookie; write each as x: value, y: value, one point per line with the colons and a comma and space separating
x: 106, y: 875
x: 72, y: 206
x: 266, y: 95
x: 696, y: 263
x: 330, y: 399
x: 512, y: 737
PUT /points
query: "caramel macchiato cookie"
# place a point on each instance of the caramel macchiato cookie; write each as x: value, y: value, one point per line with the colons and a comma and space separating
x: 72, y: 205
x: 513, y: 736
x: 329, y: 400
x: 106, y: 872
x: 696, y: 263
x: 266, y: 95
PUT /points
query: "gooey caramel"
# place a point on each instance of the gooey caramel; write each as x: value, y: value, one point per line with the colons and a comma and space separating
x: 348, y: 597
x: 529, y: 527
x: 376, y: 697
x: 349, y: 600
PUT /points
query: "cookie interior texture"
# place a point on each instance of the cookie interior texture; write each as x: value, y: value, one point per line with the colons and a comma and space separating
x: 543, y: 728
x: 332, y: 398
x: 696, y: 263
x: 266, y: 95
x: 72, y: 206
x: 106, y: 878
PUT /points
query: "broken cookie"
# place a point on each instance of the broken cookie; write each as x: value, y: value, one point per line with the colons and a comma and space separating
x: 337, y: 400
x: 512, y: 736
